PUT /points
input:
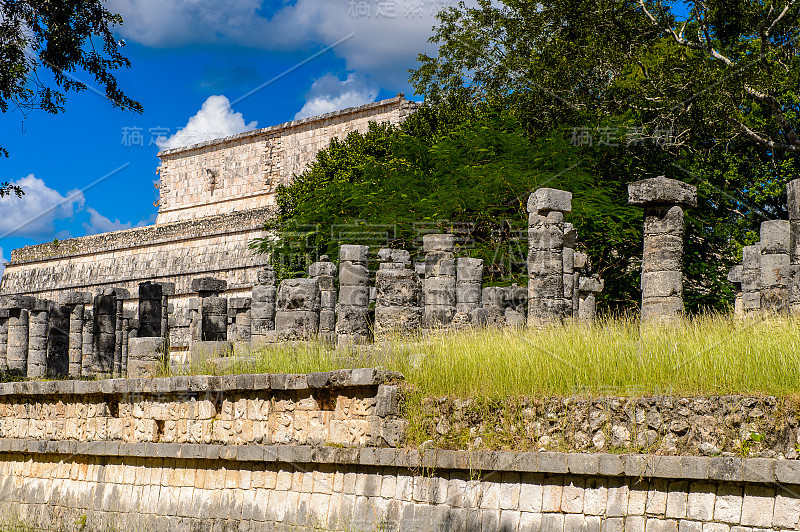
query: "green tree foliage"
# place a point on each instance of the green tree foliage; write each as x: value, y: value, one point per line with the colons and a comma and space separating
x: 467, y: 169
x: 722, y: 82
x: 61, y: 39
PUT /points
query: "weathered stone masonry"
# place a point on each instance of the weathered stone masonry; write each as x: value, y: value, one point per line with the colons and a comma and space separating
x: 134, y: 454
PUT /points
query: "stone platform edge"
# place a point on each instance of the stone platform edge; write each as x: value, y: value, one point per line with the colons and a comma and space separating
x: 727, y: 469
x: 342, y: 378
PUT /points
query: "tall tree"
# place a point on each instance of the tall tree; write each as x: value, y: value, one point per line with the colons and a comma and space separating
x: 62, y: 39
x: 709, y: 98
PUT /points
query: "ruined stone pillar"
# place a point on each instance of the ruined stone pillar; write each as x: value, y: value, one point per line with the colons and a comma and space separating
x: 58, y: 340
x: 75, y: 305
x: 324, y: 272
x: 151, y: 309
x: 119, y: 336
x: 37, y: 339
x: 568, y: 256
x: 239, y: 321
x: 439, y: 286
x: 3, y: 338
x: 580, y: 262
x: 18, y: 333
x: 546, y: 301
x: 213, y: 309
x: 262, y: 306
x: 588, y: 288
x: 469, y: 280
x: 775, y: 266
x: 793, y: 206
x: 352, y: 309
x: 398, y: 303
x: 297, y: 312
x: 662, y: 270
x: 735, y: 278
x: 751, y: 278
x: 87, y: 349
x: 105, y: 332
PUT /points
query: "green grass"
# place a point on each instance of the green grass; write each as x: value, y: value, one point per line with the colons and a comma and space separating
x: 707, y: 355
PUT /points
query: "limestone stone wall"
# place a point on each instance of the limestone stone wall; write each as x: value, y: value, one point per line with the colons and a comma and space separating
x: 134, y: 455
x: 151, y: 487
x: 242, y: 171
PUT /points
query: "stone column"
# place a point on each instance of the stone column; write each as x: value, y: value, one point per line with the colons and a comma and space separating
x: 3, y: 339
x: 262, y: 307
x: 568, y: 256
x: 775, y: 266
x: 439, y: 285
x: 469, y: 280
x: 515, y: 304
x: 735, y: 277
x: 352, y: 309
x: 37, y: 339
x: 297, y: 312
x: 398, y: 303
x: 588, y: 288
x: 58, y: 341
x: 18, y: 333
x: 126, y: 331
x: 662, y: 269
x: 324, y: 272
x: 239, y: 322
x: 751, y: 278
x: 580, y: 262
x: 87, y: 350
x: 213, y: 309
x: 75, y: 304
x: 793, y: 206
x: 150, y: 309
x: 546, y: 301
x: 105, y: 328
x: 119, y: 336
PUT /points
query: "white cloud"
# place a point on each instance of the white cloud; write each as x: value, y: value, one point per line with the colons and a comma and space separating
x: 385, y: 42
x: 100, y: 224
x: 215, y: 119
x: 33, y: 214
x: 329, y: 93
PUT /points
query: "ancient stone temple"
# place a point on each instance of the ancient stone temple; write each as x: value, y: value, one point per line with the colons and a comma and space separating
x: 214, y: 199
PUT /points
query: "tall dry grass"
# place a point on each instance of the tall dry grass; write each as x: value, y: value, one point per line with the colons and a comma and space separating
x: 711, y: 354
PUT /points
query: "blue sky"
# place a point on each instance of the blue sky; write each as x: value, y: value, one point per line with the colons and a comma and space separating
x: 185, y: 53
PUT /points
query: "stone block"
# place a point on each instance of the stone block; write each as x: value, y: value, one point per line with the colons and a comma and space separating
x: 239, y: 303
x: 398, y: 288
x: 439, y: 291
x: 662, y: 252
x: 793, y: 199
x: 662, y: 191
x: 469, y: 293
x: 590, y: 284
x: 353, y: 253
x: 298, y: 294
x: 438, y: 242
x: 145, y: 357
x: 296, y: 324
x: 437, y: 316
x: 775, y: 236
x: 353, y: 275
x: 19, y: 302
x: 544, y: 200
x: 75, y: 298
x: 662, y: 284
x: 398, y: 256
x: 751, y: 257
x: 357, y: 296
x: 663, y: 220
x: 735, y: 275
x: 580, y: 260
x: 209, y: 284
x: 322, y: 268
x: 439, y: 264
x: 546, y: 286
x: 662, y: 307
x: 545, y: 262
x: 774, y: 269
x: 469, y: 269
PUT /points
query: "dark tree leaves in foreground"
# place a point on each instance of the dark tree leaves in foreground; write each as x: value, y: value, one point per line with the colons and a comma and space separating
x: 47, y: 46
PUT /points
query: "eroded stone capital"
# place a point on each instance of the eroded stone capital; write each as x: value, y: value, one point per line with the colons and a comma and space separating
x: 661, y: 191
